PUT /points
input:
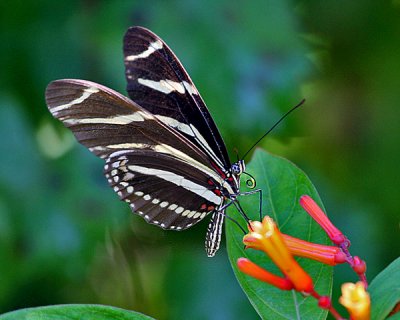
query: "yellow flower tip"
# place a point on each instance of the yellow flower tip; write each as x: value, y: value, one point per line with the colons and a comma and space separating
x: 254, y: 226
x: 253, y: 241
x: 268, y: 224
x: 356, y: 300
x: 259, y: 234
x: 261, y: 226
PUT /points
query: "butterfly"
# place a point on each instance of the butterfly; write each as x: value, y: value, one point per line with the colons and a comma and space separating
x: 163, y: 153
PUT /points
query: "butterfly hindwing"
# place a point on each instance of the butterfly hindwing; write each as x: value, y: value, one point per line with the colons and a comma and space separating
x: 162, y: 189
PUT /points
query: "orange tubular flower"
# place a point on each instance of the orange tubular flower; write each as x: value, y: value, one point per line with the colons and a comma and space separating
x: 265, y: 236
x: 253, y: 270
x: 326, y: 254
x: 356, y: 300
x: 310, y: 206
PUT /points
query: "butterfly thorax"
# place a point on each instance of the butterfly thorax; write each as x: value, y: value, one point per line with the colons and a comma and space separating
x: 229, y: 188
x: 236, y: 170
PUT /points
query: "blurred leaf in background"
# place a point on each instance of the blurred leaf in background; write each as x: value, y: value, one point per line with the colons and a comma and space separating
x: 65, y: 237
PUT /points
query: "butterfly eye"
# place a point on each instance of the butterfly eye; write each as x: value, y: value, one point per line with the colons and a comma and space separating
x: 236, y: 170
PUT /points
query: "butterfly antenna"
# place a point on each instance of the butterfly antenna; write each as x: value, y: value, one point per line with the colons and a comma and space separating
x: 241, y: 211
x: 274, y: 126
x: 236, y: 151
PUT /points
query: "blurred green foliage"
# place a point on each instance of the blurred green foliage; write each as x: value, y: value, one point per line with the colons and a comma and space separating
x: 65, y: 237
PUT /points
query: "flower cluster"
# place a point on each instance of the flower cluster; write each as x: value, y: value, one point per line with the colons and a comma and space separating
x: 265, y: 236
x: 282, y: 248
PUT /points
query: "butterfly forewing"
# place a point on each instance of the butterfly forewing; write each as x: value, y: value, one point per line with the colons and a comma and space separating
x: 164, y: 177
x: 105, y: 121
x: 158, y: 82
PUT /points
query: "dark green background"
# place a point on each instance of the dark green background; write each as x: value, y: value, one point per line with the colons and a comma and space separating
x: 65, y: 237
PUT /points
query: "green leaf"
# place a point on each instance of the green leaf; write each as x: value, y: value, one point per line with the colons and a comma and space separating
x: 282, y: 184
x: 74, y: 312
x: 385, y: 291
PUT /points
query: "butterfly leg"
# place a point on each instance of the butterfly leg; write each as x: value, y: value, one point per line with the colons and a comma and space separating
x: 238, y: 207
x: 259, y: 192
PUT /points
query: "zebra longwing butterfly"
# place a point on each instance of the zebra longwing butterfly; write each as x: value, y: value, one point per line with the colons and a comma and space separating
x: 163, y: 152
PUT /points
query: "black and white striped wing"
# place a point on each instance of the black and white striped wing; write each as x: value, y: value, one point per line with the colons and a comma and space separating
x: 158, y: 82
x: 164, y: 191
x: 162, y: 175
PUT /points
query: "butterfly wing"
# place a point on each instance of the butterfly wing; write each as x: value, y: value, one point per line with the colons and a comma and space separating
x: 105, y: 121
x: 163, y: 190
x: 158, y: 82
x: 163, y: 176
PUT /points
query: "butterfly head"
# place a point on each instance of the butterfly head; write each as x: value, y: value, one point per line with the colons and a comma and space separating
x: 238, y: 168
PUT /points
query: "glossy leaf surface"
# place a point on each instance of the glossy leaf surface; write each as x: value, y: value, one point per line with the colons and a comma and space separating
x: 282, y: 185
